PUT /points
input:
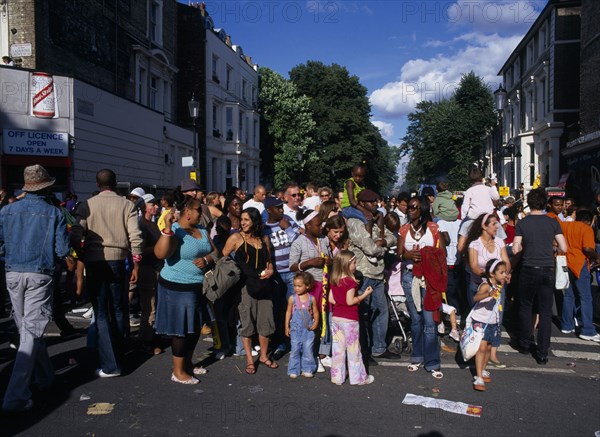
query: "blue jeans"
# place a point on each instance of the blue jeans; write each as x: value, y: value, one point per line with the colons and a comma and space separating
x: 351, y: 212
x: 31, y: 297
x: 426, y: 346
x: 451, y: 289
x: 374, y: 310
x: 536, y: 283
x: 106, y: 284
x: 302, y: 357
x: 584, y: 289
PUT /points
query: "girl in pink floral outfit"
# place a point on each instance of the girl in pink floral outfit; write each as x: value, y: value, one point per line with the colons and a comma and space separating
x: 344, y: 325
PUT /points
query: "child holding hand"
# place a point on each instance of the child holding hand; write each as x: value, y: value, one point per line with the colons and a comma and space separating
x: 344, y: 324
x: 301, y: 320
x: 486, y: 315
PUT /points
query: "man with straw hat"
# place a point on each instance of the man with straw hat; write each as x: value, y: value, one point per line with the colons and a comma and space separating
x: 33, y: 236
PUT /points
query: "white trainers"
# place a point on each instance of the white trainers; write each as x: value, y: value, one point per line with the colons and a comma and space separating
x: 441, y: 328
x: 454, y: 335
x: 595, y: 338
x: 368, y: 381
x: 307, y: 374
x: 88, y: 314
x: 293, y: 375
x: 100, y: 373
x: 320, y: 368
x: 567, y: 331
x: 326, y: 361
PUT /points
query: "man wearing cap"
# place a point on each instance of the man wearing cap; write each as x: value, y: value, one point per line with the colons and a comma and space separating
x: 282, y: 231
x: 33, y: 236
x: 370, y: 249
x: 190, y: 188
x: 107, y: 224
x: 148, y: 274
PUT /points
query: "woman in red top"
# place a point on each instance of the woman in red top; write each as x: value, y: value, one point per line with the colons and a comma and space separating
x: 344, y: 323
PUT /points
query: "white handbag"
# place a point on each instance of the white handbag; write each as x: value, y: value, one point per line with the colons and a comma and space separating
x: 561, y: 281
x: 471, y: 337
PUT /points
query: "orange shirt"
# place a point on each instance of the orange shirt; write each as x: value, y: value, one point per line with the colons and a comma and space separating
x: 578, y: 236
x: 554, y: 216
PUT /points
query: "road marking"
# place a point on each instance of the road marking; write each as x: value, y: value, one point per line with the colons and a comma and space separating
x: 577, y: 355
x: 564, y: 340
x: 456, y: 366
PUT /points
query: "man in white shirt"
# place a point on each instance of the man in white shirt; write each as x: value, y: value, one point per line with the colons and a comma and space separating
x: 291, y: 195
x: 257, y: 201
x: 312, y: 200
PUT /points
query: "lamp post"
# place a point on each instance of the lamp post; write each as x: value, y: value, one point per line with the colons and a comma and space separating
x: 194, y: 108
x: 499, y: 99
x: 510, y: 150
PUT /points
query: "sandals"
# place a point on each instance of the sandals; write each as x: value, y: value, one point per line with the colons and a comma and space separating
x: 437, y: 374
x: 250, y: 369
x: 190, y: 381
x: 496, y: 364
x: 270, y: 364
x: 478, y: 384
x: 414, y: 367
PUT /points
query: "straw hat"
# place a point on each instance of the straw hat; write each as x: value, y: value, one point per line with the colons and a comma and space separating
x: 36, y: 178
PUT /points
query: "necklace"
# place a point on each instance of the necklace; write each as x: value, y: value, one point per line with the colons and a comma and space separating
x: 417, y: 232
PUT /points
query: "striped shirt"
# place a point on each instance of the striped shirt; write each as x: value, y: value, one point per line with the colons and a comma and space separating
x: 281, y: 243
x: 304, y: 249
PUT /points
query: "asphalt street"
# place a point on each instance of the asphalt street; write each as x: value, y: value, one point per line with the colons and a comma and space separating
x: 561, y: 398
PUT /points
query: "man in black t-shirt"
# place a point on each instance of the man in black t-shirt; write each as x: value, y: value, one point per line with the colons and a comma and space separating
x: 534, y: 237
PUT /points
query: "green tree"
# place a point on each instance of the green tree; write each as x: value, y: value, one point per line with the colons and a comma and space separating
x: 287, y: 126
x: 445, y: 137
x: 344, y: 134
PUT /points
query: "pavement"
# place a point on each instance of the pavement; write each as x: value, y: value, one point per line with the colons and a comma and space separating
x: 560, y: 398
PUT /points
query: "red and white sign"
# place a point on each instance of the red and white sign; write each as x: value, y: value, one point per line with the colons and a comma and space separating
x: 43, y: 98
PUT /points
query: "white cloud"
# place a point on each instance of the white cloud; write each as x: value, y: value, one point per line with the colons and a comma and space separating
x: 386, y: 129
x: 437, y: 77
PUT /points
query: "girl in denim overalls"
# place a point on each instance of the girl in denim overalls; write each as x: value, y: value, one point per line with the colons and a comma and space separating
x: 301, y: 320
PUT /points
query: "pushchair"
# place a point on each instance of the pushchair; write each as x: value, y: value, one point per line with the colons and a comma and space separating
x: 399, y: 313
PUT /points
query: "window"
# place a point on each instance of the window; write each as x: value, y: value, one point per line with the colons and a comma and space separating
x: 543, y: 98
x: 153, y: 92
x: 228, y: 78
x: 155, y: 12
x: 247, y: 131
x: 543, y: 38
x: 240, y: 125
x: 229, y: 124
x: 215, y: 124
x: 255, y: 133
x: 215, y: 68
x: 244, y: 86
x: 530, y: 55
x: 228, y: 166
x: 254, y: 100
x: 141, y: 87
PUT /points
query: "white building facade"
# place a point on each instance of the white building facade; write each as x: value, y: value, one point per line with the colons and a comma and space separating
x: 540, y: 105
x: 232, y: 136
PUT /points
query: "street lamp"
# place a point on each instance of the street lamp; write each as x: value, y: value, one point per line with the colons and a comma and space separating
x: 511, y: 150
x: 194, y: 108
x: 499, y: 99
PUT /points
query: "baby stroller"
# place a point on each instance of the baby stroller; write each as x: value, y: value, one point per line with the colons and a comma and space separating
x: 397, y: 304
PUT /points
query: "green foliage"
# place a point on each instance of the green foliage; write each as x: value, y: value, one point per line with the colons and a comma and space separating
x: 445, y: 138
x: 287, y: 126
x: 344, y: 134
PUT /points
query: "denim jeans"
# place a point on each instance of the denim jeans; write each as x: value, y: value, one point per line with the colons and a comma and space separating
x: 584, y: 289
x: 426, y: 345
x: 536, y: 282
x: 374, y: 310
x: 31, y: 297
x: 351, y: 212
x: 106, y: 284
x: 302, y: 358
x: 452, y: 289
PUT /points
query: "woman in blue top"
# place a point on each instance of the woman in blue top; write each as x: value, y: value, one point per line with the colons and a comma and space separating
x: 187, y: 250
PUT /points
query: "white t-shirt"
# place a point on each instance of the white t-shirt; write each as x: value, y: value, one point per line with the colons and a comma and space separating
x: 311, y: 202
x: 452, y: 229
x: 254, y: 204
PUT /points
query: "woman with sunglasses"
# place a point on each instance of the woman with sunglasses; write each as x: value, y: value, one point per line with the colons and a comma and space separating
x: 188, y: 251
x: 419, y: 233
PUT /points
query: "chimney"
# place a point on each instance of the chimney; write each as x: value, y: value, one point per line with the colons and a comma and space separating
x: 228, y: 40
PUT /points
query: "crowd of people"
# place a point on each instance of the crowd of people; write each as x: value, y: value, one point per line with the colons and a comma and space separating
x: 316, y: 269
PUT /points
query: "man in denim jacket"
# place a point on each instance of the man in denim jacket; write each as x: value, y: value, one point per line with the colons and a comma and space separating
x: 33, y: 236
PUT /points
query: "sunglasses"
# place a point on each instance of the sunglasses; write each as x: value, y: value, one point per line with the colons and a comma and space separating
x: 294, y: 195
x: 413, y: 207
x: 324, y: 195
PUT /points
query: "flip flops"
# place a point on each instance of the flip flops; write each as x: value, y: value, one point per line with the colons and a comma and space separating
x: 414, y: 367
x: 270, y: 364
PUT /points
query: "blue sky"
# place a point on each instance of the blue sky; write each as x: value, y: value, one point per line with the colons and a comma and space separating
x: 402, y: 51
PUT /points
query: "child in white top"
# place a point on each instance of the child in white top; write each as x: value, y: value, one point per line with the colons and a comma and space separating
x: 487, y: 312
